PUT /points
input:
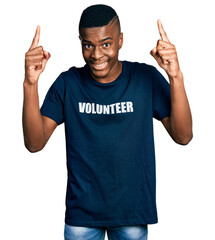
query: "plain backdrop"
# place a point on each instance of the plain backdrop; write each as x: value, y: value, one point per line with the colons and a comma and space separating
x: 33, y: 186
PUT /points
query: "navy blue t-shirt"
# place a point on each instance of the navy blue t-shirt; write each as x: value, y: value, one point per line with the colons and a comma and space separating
x: 109, y: 143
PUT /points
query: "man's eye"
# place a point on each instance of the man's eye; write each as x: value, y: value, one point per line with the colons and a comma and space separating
x: 87, y: 46
x: 106, y: 45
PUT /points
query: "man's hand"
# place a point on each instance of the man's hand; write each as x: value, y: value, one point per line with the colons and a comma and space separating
x: 35, y: 60
x: 179, y: 123
x: 165, y: 54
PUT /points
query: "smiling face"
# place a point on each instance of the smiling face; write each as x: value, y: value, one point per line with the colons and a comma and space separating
x: 100, y: 48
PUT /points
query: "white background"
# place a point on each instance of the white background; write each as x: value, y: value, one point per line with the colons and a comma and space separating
x: 33, y: 186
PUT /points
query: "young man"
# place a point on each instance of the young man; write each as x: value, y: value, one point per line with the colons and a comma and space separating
x: 108, y: 108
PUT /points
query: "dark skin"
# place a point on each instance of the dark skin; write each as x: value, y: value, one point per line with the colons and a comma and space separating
x: 179, y: 124
x: 100, y: 48
x: 37, y: 129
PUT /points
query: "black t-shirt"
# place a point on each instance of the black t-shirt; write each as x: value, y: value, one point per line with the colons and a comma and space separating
x: 110, y: 143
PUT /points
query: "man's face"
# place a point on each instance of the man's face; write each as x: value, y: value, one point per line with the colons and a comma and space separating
x: 100, y: 48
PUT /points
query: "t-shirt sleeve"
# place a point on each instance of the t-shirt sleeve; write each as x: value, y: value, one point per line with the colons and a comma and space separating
x: 53, y: 104
x: 161, y: 96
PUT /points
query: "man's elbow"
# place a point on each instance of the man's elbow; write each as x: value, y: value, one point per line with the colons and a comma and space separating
x: 184, y: 140
x: 33, y: 149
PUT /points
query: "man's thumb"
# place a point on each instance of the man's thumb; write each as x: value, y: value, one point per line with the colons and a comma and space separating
x: 47, y: 55
x: 45, y: 60
x: 153, y: 52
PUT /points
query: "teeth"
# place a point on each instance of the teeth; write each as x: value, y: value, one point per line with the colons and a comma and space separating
x: 98, y: 65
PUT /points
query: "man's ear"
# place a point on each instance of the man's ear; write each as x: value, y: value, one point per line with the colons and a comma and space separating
x: 79, y: 37
x: 120, y: 40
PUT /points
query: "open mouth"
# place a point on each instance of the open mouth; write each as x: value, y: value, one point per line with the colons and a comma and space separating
x: 99, y: 66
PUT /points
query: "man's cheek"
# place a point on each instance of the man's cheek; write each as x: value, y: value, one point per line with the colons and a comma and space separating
x: 110, y: 54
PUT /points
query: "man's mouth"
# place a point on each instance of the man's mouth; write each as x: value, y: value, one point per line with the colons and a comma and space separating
x: 99, y: 66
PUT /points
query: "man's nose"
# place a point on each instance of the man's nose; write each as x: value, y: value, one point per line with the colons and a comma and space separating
x: 97, y: 53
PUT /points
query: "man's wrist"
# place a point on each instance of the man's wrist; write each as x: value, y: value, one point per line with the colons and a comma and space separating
x: 176, y: 78
x: 28, y: 83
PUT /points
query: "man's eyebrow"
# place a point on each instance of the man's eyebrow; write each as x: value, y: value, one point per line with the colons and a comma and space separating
x: 106, y: 39
x: 84, y: 40
x: 103, y: 40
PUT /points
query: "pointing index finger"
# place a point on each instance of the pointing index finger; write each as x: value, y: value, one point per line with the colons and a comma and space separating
x: 36, y: 39
x: 162, y: 32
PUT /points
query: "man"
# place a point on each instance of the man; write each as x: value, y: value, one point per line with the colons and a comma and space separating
x: 108, y: 108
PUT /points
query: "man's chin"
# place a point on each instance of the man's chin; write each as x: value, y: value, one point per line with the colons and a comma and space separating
x: 98, y: 74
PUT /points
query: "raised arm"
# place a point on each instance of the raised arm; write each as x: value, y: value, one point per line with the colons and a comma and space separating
x: 36, y: 128
x: 179, y: 124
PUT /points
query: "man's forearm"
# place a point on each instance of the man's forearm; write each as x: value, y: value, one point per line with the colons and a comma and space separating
x: 33, y: 127
x: 180, y: 118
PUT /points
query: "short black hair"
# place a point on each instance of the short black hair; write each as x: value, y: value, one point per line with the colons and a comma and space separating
x: 98, y: 15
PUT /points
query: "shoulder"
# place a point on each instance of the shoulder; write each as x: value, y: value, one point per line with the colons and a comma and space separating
x: 139, y: 66
x: 140, y: 70
x: 73, y: 72
x: 70, y: 76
